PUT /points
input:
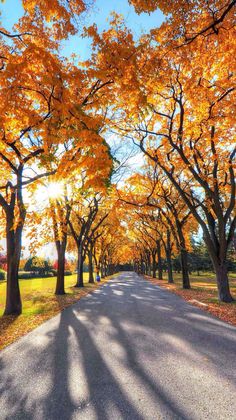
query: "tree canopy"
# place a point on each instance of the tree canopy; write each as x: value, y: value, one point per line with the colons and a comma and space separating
x: 170, y: 94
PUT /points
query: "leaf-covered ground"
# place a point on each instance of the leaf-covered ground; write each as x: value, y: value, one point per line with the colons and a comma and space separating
x: 203, y: 293
x: 39, y: 304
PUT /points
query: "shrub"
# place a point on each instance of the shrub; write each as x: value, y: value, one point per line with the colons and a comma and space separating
x: 68, y: 273
x: 54, y: 272
x: 2, y: 275
x: 38, y: 265
x: 25, y: 275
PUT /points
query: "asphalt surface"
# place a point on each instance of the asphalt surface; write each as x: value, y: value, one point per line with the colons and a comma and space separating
x: 130, y: 350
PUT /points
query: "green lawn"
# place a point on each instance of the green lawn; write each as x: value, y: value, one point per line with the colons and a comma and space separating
x: 39, y: 304
x: 36, y: 292
x: 205, y: 283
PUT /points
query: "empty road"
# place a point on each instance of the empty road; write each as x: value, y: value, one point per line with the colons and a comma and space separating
x: 130, y: 350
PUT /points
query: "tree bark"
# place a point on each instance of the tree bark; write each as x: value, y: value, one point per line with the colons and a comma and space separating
x: 14, y: 240
x: 168, y: 259
x: 149, y: 273
x: 223, y: 283
x: 60, y: 285
x: 183, y: 255
x: 154, y: 265
x: 90, y: 257
x: 184, y: 267
x: 80, y: 277
x: 159, y: 261
x: 218, y: 254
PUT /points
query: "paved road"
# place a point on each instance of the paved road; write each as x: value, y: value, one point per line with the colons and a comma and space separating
x: 128, y: 351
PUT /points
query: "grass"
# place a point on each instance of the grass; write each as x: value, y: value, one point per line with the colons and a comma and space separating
x: 39, y: 304
x: 206, y: 283
x: 204, y: 290
x: 35, y: 293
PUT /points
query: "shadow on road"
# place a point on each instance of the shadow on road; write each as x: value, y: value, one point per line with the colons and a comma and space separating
x: 72, y: 367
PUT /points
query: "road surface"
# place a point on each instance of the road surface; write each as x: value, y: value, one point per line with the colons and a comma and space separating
x: 130, y: 350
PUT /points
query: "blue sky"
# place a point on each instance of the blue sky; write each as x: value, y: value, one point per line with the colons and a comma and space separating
x: 11, y: 10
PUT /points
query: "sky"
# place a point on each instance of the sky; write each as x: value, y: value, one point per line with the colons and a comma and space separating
x: 11, y: 11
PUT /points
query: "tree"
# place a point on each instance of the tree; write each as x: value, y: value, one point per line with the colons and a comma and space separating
x: 180, y: 114
x: 184, y: 18
x: 41, y: 109
x: 163, y: 215
x: 60, y: 217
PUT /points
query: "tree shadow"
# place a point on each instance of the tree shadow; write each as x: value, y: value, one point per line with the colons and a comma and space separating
x: 69, y: 367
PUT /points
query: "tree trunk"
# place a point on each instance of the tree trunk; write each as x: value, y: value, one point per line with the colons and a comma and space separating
x: 149, y: 272
x: 218, y: 254
x: 168, y: 259
x: 159, y: 261
x: 154, y: 266
x: 223, y: 283
x: 14, y: 238
x: 184, y: 267
x: 90, y: 257
x: 60, y: 285
x: 80, y: 279
x: 183, y: 256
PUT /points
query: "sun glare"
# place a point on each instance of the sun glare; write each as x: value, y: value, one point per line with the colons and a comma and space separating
x: 55, y: 190
x: 51, y: 191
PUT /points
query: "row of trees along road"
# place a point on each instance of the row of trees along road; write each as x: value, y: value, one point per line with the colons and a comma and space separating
x: 50, y: 122
x: 174, y: 95
x: 171, y: 93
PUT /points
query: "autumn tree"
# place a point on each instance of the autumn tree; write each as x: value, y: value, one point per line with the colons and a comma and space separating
x: 163, y: 217
x: 43, y: 101
x: 180, y: 112
x: 187, y: 21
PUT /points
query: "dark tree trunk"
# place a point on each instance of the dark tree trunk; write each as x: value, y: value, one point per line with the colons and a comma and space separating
x: 90, y: 258
x: 154, y: 265
x: 60, y: 285
x: 217, y: 248
x: 183, y: 256
x: 149, y: 273
x: 80, y: 277
x: 168, y: 259
x: 169, y: 269
x: 159, y: 261
x: 184, y: 267
x: 223, y: 283
x: 14, y: 239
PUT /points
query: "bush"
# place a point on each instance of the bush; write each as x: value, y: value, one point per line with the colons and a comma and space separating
x: 54, y: 272
x: 2, y: 275
x: 25, y: 275
x: 68, y: 273
x: 38, y: 265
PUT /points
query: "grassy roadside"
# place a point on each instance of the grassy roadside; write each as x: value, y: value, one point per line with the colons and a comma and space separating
x: 39, y: 305
x: 203, y: 293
